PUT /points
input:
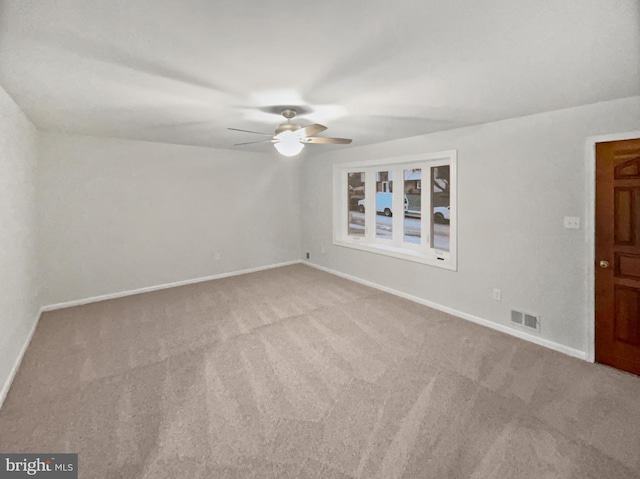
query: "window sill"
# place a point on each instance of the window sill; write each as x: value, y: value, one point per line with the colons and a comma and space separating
x: 431, y: 257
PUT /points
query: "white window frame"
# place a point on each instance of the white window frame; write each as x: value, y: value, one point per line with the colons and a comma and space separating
x: 396, y: 247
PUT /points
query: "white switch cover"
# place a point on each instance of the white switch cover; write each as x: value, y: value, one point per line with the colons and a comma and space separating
x: 572, y: 222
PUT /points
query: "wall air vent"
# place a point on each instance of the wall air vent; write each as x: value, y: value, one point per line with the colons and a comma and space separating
x: 517, y: 317
x: 529, y: 321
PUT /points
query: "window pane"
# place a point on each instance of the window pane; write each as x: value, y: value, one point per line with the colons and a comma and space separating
x: 356, y: 203
x: 384, y: 204
x: 440, y: 202
x: 412, y: 201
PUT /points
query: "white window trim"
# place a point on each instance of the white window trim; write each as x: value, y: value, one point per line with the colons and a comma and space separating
x: 422, y: 253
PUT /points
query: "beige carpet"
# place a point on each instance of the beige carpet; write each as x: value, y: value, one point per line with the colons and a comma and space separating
x: 295, y: 373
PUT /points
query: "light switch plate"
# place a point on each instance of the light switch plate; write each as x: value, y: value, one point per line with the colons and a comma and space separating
x: 572, y: 222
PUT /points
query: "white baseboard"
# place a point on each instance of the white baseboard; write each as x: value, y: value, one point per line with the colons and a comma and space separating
x: 7, y: 385
x: 148, y: 289
x: 576, y: 353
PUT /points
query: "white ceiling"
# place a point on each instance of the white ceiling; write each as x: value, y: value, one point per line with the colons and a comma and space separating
x: 371, y: 70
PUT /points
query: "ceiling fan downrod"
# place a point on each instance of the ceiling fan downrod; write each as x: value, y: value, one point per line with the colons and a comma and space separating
x: 288, y: 113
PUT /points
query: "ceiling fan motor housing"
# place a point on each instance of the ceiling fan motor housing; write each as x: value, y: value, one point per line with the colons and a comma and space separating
x: 287, y: 127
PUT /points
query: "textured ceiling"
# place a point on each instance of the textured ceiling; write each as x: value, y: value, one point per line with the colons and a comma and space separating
x: 374, y: 70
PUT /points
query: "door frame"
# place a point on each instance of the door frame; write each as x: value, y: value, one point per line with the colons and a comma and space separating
x: 590, y: 228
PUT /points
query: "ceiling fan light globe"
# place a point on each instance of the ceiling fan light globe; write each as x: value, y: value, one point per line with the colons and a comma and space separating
x: 288, y: 148
x: 288, y: 143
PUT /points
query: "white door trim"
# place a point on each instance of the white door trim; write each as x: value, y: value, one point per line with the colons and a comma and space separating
x: 590, y: 228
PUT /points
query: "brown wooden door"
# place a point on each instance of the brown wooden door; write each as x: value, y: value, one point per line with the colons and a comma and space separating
x: 618, y: 254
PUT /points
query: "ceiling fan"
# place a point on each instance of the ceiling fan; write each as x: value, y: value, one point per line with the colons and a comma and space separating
x: 290, y: 138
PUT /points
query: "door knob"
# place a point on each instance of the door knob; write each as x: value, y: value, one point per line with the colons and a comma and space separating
x: 604, y: 264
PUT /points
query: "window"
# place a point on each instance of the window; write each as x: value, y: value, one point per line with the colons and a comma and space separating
x: 355, y: 194
x: 381, y: 207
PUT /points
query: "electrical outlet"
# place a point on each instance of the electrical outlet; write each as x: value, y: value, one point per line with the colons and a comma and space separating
x: 497, y: 294
x: 572, y: 222
x: 307, y: 255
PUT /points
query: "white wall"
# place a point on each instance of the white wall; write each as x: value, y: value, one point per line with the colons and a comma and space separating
x: 118, y: 215
x: 18, y: 269
x: 517, y: 179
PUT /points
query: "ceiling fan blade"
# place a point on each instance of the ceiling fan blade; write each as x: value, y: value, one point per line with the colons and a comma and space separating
x: 249, y: 131
x: 252, y: 142
x: 311, y: 129
x: 319, y: 140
